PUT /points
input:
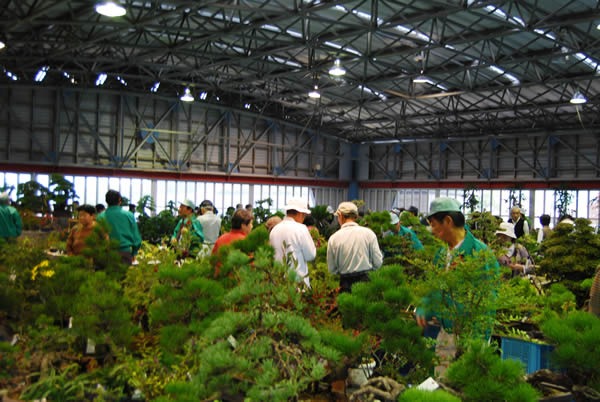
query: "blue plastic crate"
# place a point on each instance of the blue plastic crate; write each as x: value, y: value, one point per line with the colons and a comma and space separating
x: 534, y: 356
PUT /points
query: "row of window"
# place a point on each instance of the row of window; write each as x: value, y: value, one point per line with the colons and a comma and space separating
x: 92, y: 189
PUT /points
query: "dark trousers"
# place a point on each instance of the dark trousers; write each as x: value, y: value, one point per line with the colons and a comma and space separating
x: 126, y: 257
x: 346, y: 281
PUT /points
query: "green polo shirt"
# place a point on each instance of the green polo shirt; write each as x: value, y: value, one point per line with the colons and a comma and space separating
x: 192, y: 223
x: 10, y: 222
x: 416, y: 243
x: 123, y: 228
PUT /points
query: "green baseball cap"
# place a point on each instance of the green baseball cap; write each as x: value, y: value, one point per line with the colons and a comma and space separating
x: 444, y: 205
x: 188, y: 203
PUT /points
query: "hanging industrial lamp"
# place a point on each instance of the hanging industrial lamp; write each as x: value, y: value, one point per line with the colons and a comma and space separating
x: 337, y: 70
x: 187, y: 96
x: 110, y: 9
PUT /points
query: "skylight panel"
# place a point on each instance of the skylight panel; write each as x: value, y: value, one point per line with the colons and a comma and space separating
x: 373, y: 92
x: 510, y: 76
x: 270, y: 27
x: 101, y: 79
x: 281, y: 60
x: 587, y: 61
x: 155, y: 87
x: 11, y: 75
x: 498, y: 12
x: 203, y: 95
x: 41, y: 74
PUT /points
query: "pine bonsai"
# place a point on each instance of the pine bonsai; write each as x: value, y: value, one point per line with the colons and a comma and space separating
x: 379, y: 307
x: 570, y: 256
x: 576, y: 336
x: 482, y: 375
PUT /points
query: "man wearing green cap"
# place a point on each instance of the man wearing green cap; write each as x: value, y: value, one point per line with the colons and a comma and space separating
x: 448, y: 224
x: 188, y: 223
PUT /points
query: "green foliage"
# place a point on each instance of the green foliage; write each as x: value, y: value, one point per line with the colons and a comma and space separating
x: 483, y: 226
x: 379, y: 307
x: 153, y: 229
x: 103, y: 315
x: 470, y: 199
x: 60, y: 292
x: 102, y: 251
x: 570, y: 256
x: 576, y: 336
x: 146, y: 202
x: 33, y: 196
x: 482, y: 375
x: 261, y: 212
x: 417, y: 395
x: 7, y: 360
x: 463, y: 297
x: 563, y: 198
x: 17, y: 259
x: 61, y: 190
x: 66, y: 386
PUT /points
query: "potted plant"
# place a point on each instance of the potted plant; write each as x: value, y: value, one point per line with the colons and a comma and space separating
x: 61, y: 191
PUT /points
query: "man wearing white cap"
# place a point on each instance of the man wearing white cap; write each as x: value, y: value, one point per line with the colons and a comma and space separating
x: 188, y: 222
x: 292, y: 236
x: 10, y: 220
x: 352, y: 251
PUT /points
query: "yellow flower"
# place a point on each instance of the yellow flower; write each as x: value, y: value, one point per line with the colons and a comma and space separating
x: 48, y: 273
x: 34, y: 271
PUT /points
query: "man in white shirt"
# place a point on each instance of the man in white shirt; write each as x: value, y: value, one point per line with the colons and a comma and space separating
x: 291, y: 236
x: 211, y: 223
x: 352, y: 251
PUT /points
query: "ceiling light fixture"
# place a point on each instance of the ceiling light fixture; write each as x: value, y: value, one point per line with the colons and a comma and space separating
x: 578, y: 98
x: 187, y: 96
x: 314, y: 93
x: 110, y: 9
x: 2, y: 45
x: 337, y: 70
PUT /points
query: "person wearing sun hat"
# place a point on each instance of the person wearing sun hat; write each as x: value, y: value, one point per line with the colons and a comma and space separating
x: 516, y: 257
x: 353, y: 251
x: 10, y: 220
x: 188, y: 222
x: 292, y: 236
x: 448, y: 224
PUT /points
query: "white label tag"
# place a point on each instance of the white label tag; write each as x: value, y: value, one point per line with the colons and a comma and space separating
x: 232, y: 341
x: 429, y: 385
x: 91, y: 347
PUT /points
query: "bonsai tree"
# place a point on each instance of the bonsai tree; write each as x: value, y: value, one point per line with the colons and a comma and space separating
x: 146, y: 202
x: 32, y: 196
x: 576, y: 337
x: 61, y: 191
x: 482, y: 375
x: 570, y: 256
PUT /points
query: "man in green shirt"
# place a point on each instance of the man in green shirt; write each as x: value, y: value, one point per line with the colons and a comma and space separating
x: 188, y: 222
x: 448, y: 224
x: 10, y: 220
x: 123, y: 227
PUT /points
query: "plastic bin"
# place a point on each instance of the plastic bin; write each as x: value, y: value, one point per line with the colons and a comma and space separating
x: 534, y: 356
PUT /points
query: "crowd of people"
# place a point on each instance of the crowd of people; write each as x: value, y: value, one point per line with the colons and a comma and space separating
x: 352, y: 251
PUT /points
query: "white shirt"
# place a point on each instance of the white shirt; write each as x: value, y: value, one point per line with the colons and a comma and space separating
x: 353, y: 249
x: 211, y: 226
x: 298, y: 241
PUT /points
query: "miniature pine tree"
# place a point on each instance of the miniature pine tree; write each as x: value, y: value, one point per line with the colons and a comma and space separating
x: 570, y: 256
x: 379, y: 307
x: 101, y: 312
x: 482, y: 375
x: 576, y: 336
